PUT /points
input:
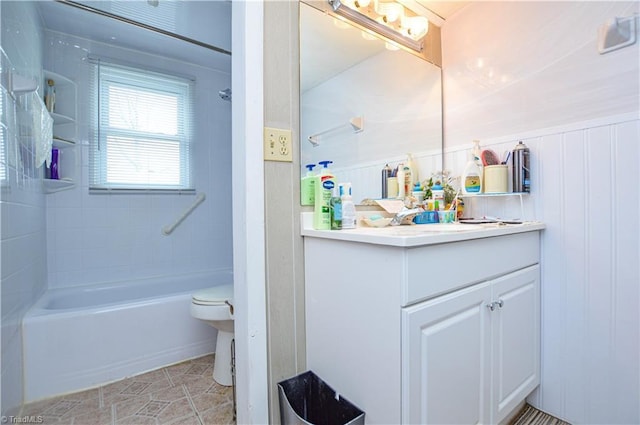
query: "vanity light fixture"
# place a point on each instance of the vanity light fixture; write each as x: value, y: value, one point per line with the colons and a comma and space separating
x: 387, y: 18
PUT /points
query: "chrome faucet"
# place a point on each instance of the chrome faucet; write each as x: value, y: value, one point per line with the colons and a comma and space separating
x: 405, y: 216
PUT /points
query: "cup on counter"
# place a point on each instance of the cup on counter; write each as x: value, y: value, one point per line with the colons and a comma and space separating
x: 447, y: 216
x: 496, y: 178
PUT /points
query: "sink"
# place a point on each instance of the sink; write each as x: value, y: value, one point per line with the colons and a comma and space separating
x: 448, y: 227
x: 417, y: 229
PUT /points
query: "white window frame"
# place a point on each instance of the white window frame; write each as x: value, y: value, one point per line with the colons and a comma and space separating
x: 108, y: 76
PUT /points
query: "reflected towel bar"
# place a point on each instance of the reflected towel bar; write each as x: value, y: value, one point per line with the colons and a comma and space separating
x: 356, y: 124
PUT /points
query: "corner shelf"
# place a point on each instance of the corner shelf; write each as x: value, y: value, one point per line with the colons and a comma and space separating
x: 498, y: 195
x: 63, y: 143
x: 492, y: 195
x: 53, y: 185
x: 61, y: 119
x: 64, y: 131
x: 19, y: 84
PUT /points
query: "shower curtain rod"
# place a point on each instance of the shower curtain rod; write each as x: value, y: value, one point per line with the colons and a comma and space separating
x: 144, y: 26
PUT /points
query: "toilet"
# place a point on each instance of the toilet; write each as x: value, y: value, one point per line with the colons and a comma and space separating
x: 214, y: 307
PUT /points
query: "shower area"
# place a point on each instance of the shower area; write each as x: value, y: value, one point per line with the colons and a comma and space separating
x: 61, y: 241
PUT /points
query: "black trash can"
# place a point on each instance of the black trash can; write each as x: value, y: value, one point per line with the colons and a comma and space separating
x: 308, y: 400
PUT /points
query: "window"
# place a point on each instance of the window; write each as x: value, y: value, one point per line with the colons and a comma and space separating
x: 142, y: 126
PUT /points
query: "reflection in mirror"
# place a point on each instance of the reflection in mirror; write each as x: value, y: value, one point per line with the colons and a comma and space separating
x: 345, y: 76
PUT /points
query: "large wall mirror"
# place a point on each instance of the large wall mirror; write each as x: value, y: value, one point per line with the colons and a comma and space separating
x: 349, y: 81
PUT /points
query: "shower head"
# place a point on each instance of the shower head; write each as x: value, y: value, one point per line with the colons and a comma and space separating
x: 225, y: 94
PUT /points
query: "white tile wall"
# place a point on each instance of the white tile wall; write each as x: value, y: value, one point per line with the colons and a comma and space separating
x: 510, y: 67
x: 98, y: 238
x: 578, y: 111
x: 22, y: 205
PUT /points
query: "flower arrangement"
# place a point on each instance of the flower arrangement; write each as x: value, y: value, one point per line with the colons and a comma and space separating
x: 441, y: 179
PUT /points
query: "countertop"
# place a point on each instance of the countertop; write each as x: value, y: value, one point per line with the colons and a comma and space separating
x: 416, y: 234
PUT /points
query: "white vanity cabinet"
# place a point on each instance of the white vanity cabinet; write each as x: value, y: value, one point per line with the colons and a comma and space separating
x: 473, y: 355
x: 402, y: 329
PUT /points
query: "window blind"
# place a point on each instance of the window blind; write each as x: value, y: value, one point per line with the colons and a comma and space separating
x: 142, y: 130
x: 3, y: 134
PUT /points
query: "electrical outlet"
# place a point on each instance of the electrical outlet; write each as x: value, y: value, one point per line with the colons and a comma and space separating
x: 277, y: 145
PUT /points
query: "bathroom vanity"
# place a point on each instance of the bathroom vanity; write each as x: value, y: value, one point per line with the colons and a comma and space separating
x: 426, y: 324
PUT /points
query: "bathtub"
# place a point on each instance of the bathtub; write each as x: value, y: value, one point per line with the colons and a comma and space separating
x: 82, y: 337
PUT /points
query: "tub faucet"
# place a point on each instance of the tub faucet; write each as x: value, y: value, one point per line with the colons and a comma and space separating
x: 405, y: 215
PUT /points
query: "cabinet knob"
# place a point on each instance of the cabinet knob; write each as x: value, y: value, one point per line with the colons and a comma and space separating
x: 491, y: 306
x: 500, y: 303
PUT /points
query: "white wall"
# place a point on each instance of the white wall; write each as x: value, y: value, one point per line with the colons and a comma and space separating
x: 516, y: 66
x: 99, y: 238
x: 249, y: 266
x: 578, y: 111
x: 22, y: 205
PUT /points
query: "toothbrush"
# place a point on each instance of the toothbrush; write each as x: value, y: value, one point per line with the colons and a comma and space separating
x: 506, y: 158
x: 453, y: 203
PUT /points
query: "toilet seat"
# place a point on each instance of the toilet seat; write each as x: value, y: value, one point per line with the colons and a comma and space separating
x: 216, y: 295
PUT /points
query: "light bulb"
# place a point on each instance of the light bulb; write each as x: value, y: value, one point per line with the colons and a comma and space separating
x: 390, y: 11
x: 355, y: 4
x: 415, y: 27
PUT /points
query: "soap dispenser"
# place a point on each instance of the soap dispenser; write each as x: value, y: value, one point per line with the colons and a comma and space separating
x: 325, y: 182
x: 307, y: 186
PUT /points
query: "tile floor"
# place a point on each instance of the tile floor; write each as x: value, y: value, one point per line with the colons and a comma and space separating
x: 181, y: 394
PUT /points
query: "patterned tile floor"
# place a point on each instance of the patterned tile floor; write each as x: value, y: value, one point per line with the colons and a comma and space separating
x: 181, y: 394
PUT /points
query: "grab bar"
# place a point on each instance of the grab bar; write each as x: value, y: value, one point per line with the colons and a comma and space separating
x: 168, y: 229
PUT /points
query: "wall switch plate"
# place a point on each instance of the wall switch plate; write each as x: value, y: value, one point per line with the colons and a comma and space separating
x: 277, y: 145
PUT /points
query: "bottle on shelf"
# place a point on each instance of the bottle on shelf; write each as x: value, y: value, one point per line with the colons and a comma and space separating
x: 521, y: 169
x: 401, y: 180
x: 386, y: 174
x: 472, y: 175
x: 50, y: 95
x: 55, y: 158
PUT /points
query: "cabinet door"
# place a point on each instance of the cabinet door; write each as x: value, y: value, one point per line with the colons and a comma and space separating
x: 515, y: 339
x: 446, y: 359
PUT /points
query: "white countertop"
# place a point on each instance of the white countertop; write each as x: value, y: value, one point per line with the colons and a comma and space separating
x: 416, y: 234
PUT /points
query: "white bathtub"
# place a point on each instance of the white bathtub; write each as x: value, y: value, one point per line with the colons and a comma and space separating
x: 82, y: 337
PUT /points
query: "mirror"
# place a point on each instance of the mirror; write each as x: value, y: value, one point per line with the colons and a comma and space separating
x: 398, y: 96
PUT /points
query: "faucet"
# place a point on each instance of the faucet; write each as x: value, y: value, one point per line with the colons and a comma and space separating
x: 405, y: 215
